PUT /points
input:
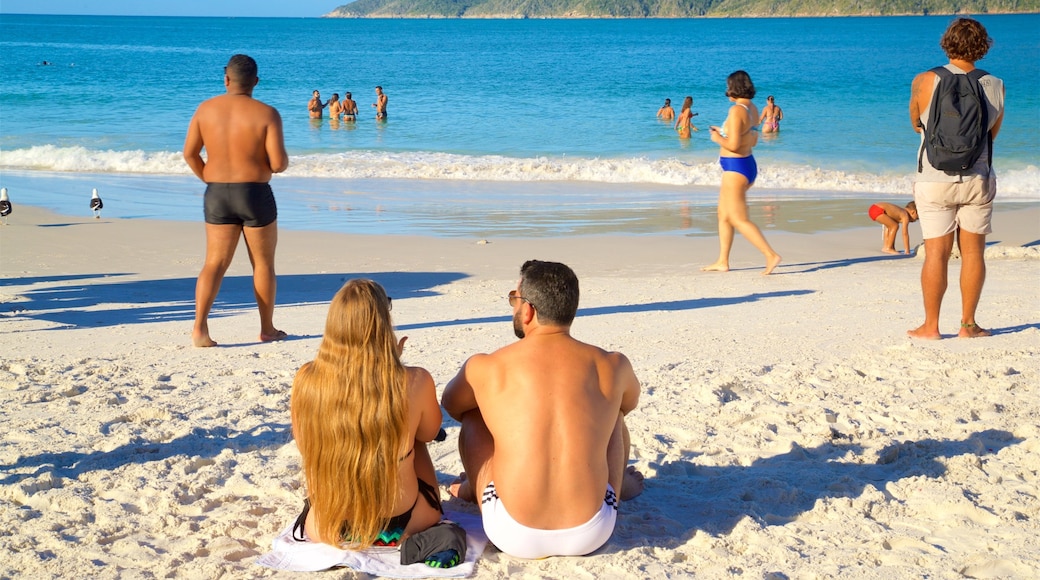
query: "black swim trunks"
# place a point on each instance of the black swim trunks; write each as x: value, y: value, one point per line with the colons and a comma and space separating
x: 243, y: 204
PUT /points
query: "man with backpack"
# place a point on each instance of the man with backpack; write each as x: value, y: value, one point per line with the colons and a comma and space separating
x: 958, y: 110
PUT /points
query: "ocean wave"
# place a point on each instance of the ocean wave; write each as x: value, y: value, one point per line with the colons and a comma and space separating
x: 83, y: 160
x: 1020, y: 183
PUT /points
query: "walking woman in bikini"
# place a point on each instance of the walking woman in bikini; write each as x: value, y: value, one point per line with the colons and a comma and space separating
x: 361, y: 420
x: 736, y: 139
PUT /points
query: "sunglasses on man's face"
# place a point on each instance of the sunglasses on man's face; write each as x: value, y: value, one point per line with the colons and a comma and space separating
x: 514, y: 296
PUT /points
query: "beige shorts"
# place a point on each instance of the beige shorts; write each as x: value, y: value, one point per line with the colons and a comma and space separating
x: 944, y: 207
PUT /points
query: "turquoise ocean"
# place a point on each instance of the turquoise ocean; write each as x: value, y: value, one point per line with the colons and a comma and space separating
x: 496, y: 127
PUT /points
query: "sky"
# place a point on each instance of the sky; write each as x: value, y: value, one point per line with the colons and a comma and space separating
x: 291, y: 8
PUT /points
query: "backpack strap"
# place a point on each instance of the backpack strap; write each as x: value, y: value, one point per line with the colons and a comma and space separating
x: 941, y: 72
x: 976, y: 75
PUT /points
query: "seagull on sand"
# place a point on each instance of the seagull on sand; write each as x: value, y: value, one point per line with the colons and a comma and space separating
x: 5, y: 205
x: 95, y: 204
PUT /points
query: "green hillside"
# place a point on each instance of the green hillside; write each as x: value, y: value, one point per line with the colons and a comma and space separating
x: 669, y: 8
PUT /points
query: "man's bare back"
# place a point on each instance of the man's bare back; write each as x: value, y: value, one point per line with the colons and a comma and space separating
x: 666, y: 113
x: 349, y: 108
x: 543, y: 418
x: 243, y: 140
x: 551, y: 404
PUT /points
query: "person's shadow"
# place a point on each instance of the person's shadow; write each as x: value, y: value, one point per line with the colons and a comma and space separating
x: 683, y: 497
x: 199, y: 444
x: 103, y: 300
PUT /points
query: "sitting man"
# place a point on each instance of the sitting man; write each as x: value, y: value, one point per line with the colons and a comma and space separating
x: 543, y: 438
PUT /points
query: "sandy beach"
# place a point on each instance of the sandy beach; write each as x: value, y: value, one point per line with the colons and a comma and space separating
x: 787, y: 428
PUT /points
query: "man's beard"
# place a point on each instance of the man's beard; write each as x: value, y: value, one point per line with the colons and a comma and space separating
x: 518, y: 328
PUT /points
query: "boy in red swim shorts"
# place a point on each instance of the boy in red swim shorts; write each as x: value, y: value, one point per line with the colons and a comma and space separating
x: 891, y: 216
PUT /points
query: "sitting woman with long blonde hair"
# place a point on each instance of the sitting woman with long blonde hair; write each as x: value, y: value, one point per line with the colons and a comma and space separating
x: 361, y: 420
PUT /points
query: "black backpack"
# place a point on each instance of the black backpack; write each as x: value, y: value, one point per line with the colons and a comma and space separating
x: 958, y: 123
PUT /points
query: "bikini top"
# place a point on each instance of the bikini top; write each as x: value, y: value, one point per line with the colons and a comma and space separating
x: 751, y: 126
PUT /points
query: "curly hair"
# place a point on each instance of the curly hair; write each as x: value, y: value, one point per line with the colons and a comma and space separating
x: 966, y: 39
x: 739, y: 86
x: 349, y: 411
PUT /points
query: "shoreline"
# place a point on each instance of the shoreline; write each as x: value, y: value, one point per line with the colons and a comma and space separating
x: 786, y: 423
x: 454, y: 209
x: 42, y: 230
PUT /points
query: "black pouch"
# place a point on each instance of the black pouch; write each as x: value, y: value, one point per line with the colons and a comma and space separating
x: 447, y: 535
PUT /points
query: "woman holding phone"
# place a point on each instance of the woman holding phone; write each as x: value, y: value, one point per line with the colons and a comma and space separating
x: 736, y: 138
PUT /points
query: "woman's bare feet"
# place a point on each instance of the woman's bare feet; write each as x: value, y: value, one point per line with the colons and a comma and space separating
x: 631, y: 484
x: 277, y: 335
x: 924, y: 333
x: 889, y: 251
x: 771, y: 264
x: 202, y: 340
x: 716, y: 267
x: 972, y: 330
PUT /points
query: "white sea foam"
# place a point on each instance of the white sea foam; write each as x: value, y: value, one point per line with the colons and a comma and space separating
x: 1021, y: 183
x: 83, y: 160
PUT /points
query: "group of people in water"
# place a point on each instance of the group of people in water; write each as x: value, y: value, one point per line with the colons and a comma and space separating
x: 768, y: 121
x: 347, y: 109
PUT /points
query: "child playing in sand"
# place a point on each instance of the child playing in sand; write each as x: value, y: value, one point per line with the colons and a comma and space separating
x: 891, y: 216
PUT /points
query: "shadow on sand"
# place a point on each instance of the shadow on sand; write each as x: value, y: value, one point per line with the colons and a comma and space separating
x: 102, y: 300
x: 779, y: 489
x: 670, y: 306
x: 202, y: 443
x: 806, y: 267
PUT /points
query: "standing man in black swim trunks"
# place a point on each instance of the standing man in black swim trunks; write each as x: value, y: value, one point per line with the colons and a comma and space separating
x: 380, y: 103
x: 244, y: 146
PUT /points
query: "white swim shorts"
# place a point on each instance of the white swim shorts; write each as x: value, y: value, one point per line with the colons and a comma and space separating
x: 524, y: 542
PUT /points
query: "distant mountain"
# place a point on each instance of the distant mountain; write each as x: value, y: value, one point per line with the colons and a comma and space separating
x: 670, y: 8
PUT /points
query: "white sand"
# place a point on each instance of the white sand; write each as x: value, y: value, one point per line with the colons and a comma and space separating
x: 787, y: 428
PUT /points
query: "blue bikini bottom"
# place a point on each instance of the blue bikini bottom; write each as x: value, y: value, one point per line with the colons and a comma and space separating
x: 745, y: 166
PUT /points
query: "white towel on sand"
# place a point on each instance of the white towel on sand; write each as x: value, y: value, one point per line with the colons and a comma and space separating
x: 288, y: 554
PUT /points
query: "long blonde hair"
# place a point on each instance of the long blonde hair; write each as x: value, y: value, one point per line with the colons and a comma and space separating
x: 349, y: 415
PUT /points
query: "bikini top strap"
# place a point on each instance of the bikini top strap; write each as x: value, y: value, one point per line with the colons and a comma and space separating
x: 298, y: 527
x: 430, y: 494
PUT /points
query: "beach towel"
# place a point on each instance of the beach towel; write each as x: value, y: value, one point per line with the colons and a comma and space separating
x: 288, y: 554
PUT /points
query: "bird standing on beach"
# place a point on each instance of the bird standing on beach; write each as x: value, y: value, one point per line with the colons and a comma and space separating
x: 96, y: 204
x: 5, y: 205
